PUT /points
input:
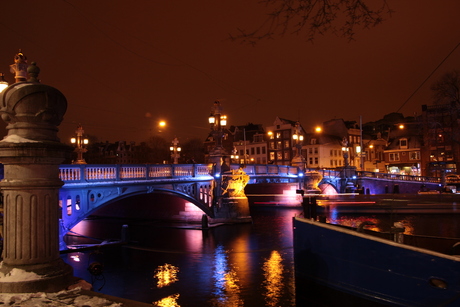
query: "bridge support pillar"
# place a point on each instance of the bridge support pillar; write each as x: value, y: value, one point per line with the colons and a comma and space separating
x: 31, y: 154
x: 234, y: 205
x: 233, y: 210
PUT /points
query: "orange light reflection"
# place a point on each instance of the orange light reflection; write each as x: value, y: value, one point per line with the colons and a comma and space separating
x: 169, y: 301
x: 166, y: 275
x: 273, y: 283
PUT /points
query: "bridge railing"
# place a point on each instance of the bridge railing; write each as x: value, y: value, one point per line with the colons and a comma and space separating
x: 388, y: 176
x: 73, y: 173
x: 324, y: 172
x: 268, y: 169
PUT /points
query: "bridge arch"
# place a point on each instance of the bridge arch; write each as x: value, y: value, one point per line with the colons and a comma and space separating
x: 77, y: 204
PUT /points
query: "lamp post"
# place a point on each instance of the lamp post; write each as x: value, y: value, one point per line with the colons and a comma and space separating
x: 3, y: 83
x: 175, y: 150
x: 217, y: 121
x: 79, y: 142
x: 345, y: 151
x: 297, y: 137
x: 235, y: 157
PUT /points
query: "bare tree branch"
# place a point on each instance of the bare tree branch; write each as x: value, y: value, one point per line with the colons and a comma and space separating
x: 316, y: 17
x: 447, y: 88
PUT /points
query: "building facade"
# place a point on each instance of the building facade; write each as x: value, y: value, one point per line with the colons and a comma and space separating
x: 280, y: 142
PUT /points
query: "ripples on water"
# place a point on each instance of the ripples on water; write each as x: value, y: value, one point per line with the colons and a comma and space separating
x: 230, y: 265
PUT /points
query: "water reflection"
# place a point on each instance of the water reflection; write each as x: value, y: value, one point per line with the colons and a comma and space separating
x: 273, y: 283
x: 166, y: 275
x: 229, y: 265
x: 226, y: 290
x: 170, y: 301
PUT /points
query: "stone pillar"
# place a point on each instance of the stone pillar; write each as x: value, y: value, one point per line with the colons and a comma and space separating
x: 234, y: 205
x: 31, y: 154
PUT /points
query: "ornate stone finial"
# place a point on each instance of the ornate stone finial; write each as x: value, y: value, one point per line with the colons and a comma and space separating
x: 19, y: 68
x: 33, y: 70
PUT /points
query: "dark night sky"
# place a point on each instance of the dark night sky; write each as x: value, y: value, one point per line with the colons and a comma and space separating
x: 124, y: 65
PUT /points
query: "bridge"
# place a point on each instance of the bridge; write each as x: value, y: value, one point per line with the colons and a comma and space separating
x: 89, y: 187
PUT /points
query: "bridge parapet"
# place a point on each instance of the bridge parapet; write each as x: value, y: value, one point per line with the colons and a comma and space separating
x: 389, y: 176
x: 73, y: 173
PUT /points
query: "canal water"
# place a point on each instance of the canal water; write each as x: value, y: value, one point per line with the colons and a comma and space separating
x: 228, y: 265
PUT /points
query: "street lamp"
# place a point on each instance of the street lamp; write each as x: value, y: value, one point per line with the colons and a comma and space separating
x: 79, y: 142
x: 175, y: 150
x: 345, y: 151
x: 217, y: 121
x: 297, y: 136
x: 3, y: 83
x: 235, y: 157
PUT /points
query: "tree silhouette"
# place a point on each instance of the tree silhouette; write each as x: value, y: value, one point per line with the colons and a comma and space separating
x: 447, y: 88
x: 313, y: 17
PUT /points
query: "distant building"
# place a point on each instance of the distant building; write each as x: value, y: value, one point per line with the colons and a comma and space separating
x: 249, y: 145
x: 347, y: 135
x: 374, y: 154
x: 403, y: 154
x: 441, y: 139
x: 118, y: 153
x: 323, y: 151
x: 393, y: 144
x: 281, y: 147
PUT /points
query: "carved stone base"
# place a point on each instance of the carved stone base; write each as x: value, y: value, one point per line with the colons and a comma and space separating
x: 233, y: 210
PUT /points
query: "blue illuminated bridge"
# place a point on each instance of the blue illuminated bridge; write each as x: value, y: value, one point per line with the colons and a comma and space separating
x: 89, y: 187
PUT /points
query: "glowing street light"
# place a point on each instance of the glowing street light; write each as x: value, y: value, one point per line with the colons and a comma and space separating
x: 175, y: 150
x: 297, y: 136
x: 235, y: 157
x: 80, y: 143
x: 217, y: 121
x: 3, y: 83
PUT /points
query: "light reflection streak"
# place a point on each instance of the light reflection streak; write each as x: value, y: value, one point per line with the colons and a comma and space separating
x: 226, y: 289
x: 166, y: 275
x: 273, y: 283
x: 169, y: 301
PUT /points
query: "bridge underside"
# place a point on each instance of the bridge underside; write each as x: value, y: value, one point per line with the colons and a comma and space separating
x: 79, y: 203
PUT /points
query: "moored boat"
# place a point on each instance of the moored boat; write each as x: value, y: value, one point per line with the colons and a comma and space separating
x: 372, y: 267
